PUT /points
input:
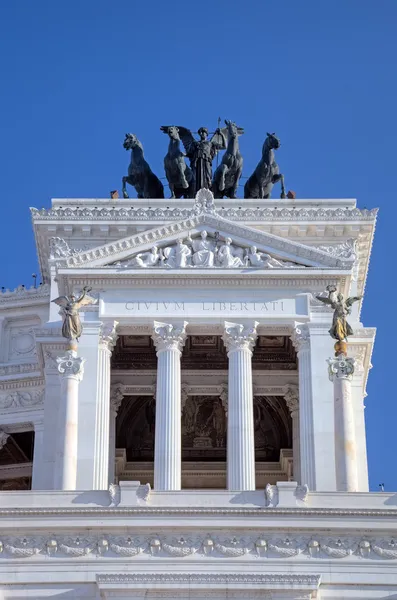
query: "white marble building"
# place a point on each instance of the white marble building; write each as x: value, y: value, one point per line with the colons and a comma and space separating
x: 196, y: 446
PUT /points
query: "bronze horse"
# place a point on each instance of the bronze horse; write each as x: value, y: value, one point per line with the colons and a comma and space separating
x: 140, y: 175
x: 266, y: 174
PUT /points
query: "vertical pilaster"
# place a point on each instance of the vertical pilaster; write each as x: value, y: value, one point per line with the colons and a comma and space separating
x: 292, y: 401
x: 71, y: 369
x: 341, y: 371
x: 239, y: 340
x: 169, y: 339
x: 39, y: 467
x: 116, y: 398
x: 358, y: 395
x: 96, y: 344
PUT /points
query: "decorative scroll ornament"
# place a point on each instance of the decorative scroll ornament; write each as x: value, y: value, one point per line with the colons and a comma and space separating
x: 239, y: 337
x: 167, y: 336
x: 341, y: 368
x: 70, y: 365
x: 59, y: 248
x: 109, y: 335
x: 300, y: 338
x: 347, y: 250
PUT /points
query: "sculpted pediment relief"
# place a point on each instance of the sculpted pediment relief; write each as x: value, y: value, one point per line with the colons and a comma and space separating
x: 204, y: 250
x: 181, y: 245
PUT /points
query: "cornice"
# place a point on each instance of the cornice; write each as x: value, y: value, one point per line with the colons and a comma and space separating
x: 22, y: 296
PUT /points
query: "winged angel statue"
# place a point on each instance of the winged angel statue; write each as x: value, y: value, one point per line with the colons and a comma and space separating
x: 340, y: 329
x: 201, y: 153
x: 70, y: 306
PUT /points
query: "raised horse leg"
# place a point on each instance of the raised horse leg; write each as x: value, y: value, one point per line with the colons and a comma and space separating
x: 124, y: 188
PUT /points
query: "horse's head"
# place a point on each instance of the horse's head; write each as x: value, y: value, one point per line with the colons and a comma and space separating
x: 131, y: 141
x: 272, y: 141
x: 173, y: 132
x: 232, y: 129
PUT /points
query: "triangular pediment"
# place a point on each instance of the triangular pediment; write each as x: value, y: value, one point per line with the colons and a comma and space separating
x: 283, y: 253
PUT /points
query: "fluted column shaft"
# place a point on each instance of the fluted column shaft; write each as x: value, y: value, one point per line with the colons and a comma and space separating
x: 341, y: 373
x: 169, y: 340
x: 239, y: 340
x: 71, y: 369
x: 107, y: 341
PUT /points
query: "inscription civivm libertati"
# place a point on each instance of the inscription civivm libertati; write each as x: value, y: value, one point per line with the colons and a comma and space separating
x: 274, y: 306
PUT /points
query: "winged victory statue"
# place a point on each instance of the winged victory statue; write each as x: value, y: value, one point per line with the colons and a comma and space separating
x: 340, y: 329
x: 70, y: 305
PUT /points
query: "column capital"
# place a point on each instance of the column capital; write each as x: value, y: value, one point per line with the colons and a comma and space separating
x: 116, y: 396
x: 238, y: 336
x: 169, y: 336
x: 70, y: 365
x: 292, y: 398
x: 341, y: 367
x: 3, y: 438
x: 300, y: 338
x: 108, y: 335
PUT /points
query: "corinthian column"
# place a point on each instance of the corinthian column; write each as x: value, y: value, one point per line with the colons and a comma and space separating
x: 341, y: 371
x: 292, y: 401
x: 107, y: 342
x: 71, y: 369
x: 169, y: 340
x: 301, y: 341
x: 239, y: 341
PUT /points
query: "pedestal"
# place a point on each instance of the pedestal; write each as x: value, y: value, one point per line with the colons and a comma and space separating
x: 71, y: 369
x: 341, y: 371
x: 169, y: 339
x: 239, y: 340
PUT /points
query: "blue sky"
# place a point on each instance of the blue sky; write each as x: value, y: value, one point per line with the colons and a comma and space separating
x: 75, y: 76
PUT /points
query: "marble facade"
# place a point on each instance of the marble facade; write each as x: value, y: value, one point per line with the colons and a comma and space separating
x: 195, y: 443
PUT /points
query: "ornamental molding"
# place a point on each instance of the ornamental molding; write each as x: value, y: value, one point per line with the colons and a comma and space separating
x: 248, y: 545
x: 267, y: 213
x: 169, y: 336
x: 22, y: 399
x: 285, y: 249
x: 300, y: 338
x: 251, y: 545
x: 341, y: 367
x: 238, y: 336
x: 108, y: 335
x: 70, y: 365
x: 22, y: 295
x: 21, y: 369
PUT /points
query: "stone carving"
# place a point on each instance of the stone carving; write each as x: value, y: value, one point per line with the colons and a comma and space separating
x: 204, y: 422
x: 266, y: 213
x: 114, y: 494
x: 72, y: 328
x: 341, y: 368
x: 302, y: 492
x: 227, y: 257
x: 347, y: 250
x: 3, y: 438
x: 266, y: 174
x: 59, y: 248
x: 167, y: 336
x: 23, y: 342
x: 292, y: 398
x: 201, y: 154
x: 271, y: 493
x: 209, y: 545
x: 140, y: 175
x: 17, y: 369
x: 262, y: 260
x: 239, y: 337
x: 205, y: 252
x: 340, y: 329
x: 21, y: 399
x: 71, y: 365
x: 127, y: 546
x: 203, y: 203
x: 108, y: 337
x: 300, y: 338
x: 179, y: 175
x: 227, y: 175
x: 143, y: 492
x: 116, y: 396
